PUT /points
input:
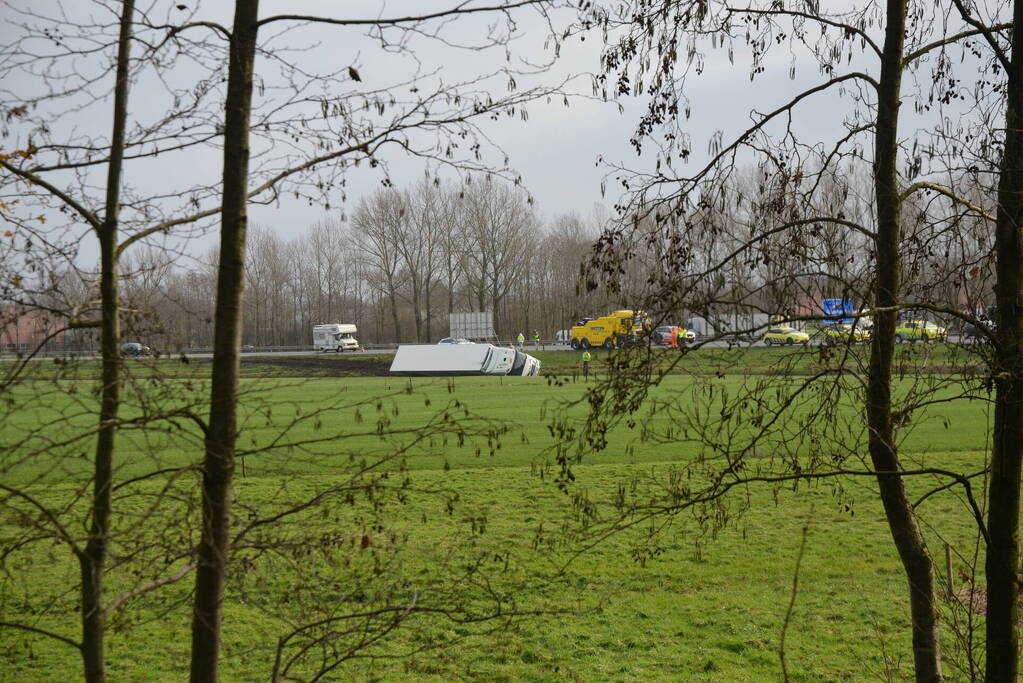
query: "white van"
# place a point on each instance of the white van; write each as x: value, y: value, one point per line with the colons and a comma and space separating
x: 335, y: 337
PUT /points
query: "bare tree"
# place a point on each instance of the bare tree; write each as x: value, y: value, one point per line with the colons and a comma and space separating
x: 221, y: 434
x: 498, y: 224
x: 345, y: 125
x: 1002, y: 563
x: 720, y: 247
x: 377, y: 223
x: 331, y: 255
x: 92, y: 555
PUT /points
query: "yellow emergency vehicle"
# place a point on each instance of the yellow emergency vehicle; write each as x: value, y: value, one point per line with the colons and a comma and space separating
x: 620, y: 328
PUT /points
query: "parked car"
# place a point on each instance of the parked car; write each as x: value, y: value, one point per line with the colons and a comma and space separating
x: 785, y: 335
x: 454, y: 340
x: 247, y: 348
x: 663, y: 335
x: 843, y: 333
x: 134, y: 350
x: 734, y: 339
x: 922, y: 330
x: 975, y: 333
x: 672, y: 335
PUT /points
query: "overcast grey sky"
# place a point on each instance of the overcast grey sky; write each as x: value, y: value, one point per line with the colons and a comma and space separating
x: 556, y: 150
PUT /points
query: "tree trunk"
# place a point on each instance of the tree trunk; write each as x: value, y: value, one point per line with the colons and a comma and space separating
x: 451, y: 289
x: 392, y: 297
x: 92, y: 561
x: 898, y: 508
x: 1002, y: 563
x: 429, y: 307
x: 417, y: 311
x: 218, y: 463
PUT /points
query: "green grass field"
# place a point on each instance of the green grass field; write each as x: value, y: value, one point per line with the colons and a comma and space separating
x: 478, y: 515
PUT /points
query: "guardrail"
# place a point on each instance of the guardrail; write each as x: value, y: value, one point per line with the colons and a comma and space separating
x: 95, y: 352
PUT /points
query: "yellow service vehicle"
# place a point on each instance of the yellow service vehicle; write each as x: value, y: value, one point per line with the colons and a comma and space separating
x: 924, y: 330
x: 620, y: 328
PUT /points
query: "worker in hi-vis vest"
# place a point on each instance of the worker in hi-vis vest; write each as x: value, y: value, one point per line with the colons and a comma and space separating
x: 586, y: 363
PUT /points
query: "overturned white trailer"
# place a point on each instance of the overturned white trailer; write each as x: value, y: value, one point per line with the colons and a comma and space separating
x: 462, y: 359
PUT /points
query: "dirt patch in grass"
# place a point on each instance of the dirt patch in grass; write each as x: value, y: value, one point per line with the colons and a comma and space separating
x: 320, y: 366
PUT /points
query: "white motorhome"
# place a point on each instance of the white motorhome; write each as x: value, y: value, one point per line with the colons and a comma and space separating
x: 335, y: 337
x: 462, y: 359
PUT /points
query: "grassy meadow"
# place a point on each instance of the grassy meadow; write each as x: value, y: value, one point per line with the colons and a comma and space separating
x: 442, y: 493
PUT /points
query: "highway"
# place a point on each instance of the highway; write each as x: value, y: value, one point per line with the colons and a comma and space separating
x: 389, y: 350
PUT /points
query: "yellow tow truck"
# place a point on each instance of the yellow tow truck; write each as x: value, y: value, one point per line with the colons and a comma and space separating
x: 620, y: 328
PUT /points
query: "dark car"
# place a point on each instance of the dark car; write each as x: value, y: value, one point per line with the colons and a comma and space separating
x: 980, y: 333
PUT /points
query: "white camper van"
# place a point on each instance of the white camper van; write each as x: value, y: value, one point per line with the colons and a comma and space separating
x: 462, y: 359
x: 335, y: 337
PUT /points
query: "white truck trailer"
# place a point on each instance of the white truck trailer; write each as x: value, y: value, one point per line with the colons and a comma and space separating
x: 462, y: 359
x: 335, y: 337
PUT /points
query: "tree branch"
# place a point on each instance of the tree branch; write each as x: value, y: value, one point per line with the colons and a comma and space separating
x: 89, y: 216
x: 986, y: 31
x: 460, y: 9
x: 42, y: 632
x: 848, y: 28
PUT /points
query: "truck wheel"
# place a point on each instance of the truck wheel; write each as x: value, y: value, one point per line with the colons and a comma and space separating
x: 610, y: 343
x: 585, y: 343
x: 788, y: 341
x: 575, y: 344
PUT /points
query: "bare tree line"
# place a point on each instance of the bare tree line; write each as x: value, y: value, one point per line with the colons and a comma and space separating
x: 405, y: 260
x: 410, y: 257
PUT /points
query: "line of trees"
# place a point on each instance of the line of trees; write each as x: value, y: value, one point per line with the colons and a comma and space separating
x: 405, y: 260
x: 409, y: 257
